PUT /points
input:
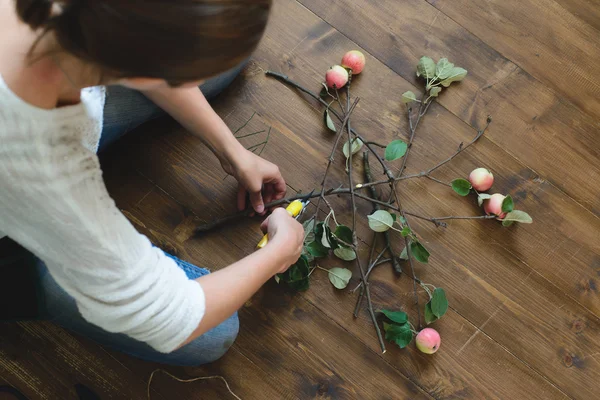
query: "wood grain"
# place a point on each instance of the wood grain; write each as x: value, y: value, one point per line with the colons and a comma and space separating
x: 548, y: 133
x: 563, y: 52
x: 246, y: 239
x: 44, y: 362
x: 523, y: 319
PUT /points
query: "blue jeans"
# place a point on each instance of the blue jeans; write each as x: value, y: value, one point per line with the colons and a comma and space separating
x: 124, y: 110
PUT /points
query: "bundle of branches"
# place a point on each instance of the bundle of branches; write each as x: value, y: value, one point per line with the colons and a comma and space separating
x: 389, y: 219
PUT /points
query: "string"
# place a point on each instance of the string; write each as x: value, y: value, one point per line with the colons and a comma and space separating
x: 190, y: 380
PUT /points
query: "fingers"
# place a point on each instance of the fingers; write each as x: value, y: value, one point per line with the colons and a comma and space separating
x: 268, y: 193
x: 279, y: 187
x: 257, y: 202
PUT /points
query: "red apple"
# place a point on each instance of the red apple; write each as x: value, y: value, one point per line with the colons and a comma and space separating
x: 336, y: 77
x: 355, y: 60
x: 493, y: 205
x: 428, y: 341
x: 481, y: 179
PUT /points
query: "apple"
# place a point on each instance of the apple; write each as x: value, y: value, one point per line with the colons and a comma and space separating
x: 336, y: 77
x: 355, y: 60
x: 493, y: 205
x: 481, y: 179
x: 428, y: 341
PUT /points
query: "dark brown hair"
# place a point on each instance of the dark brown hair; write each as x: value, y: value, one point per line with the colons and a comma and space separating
x: 176, y: 40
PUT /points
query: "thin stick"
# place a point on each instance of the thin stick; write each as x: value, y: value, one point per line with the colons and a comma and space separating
x: 436, y: 220
x: 331, y: 155
x: 250, y: 134
x: 354, y: 239
x: 414, y: 276
x: 362, y: 290
x: 286, y: 80
x: 245, y: 123
x: 190, y: 380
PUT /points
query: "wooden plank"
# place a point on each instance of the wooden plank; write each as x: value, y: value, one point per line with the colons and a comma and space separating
x: 246, y: 240
x: 477, y: 304
x: 547, y: 133
x: 288, y: 359
x: 45, y: 362
x: 546, y: 38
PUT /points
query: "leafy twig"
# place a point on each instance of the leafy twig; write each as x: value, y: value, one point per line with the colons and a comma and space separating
x: 354, y: 238
x: 285, y: 79
x: 436, y: 220
x: 414, y: 276
x: 331, y: 155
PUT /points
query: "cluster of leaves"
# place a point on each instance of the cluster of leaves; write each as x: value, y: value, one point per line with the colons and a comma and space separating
x: 400, y: 331
x: 319, y: 241
x: 444, y: 73
x: 463, y: 188
x: 382, y: 220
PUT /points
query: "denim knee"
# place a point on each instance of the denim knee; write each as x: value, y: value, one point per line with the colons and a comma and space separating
x: 209, y: 347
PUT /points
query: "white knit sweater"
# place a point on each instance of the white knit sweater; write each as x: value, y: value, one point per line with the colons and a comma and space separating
x: 53, y: 202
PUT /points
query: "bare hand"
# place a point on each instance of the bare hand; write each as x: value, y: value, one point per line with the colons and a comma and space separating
x: 286, y: 235
x: 258, y: 178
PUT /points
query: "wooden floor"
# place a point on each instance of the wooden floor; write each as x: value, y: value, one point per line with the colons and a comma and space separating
x: 524, y: 304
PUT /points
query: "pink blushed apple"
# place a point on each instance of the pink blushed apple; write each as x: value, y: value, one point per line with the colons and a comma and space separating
x: 428, y: 341
x: 493, y: 205
x: 481, y: 179
x: 336, y: 77
x: 355, y: 60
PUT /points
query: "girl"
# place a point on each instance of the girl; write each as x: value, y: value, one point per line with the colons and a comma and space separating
x: 74, y: 76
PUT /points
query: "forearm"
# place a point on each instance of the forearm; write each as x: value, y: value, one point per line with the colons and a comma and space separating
x: 228, y: 289
x: 191, y: 109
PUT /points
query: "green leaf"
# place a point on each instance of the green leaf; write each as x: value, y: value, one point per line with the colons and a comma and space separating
x: 426, y: 68
x: 429, y: 315
x: 394, y: 216
x: 316, y: 249
x: 343, y: 233
x: 435, y: 91
x: 339, y: 277
x: 405, y: 231
x: 324, y: 92
x: 443, y: 68
x: 397, y: 316
x: 345, y: 253
x: 518, y: 216
x: 324, y: 236
x: 309, y: 231
x: 439, y: 302
x: 402, y: 220
x: 328, y: 121
x: 461, y: 186
x: 419, y: 252
x: 380, y: 221
x: 296, y: 277
x: 457, y: 74
x: 508, y: 204
x: 408, y: 96
x: 357, y: 144
x: 404, y: 254
x: 395, y: 150
x: 399, y: 334
x: 482, y: 197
